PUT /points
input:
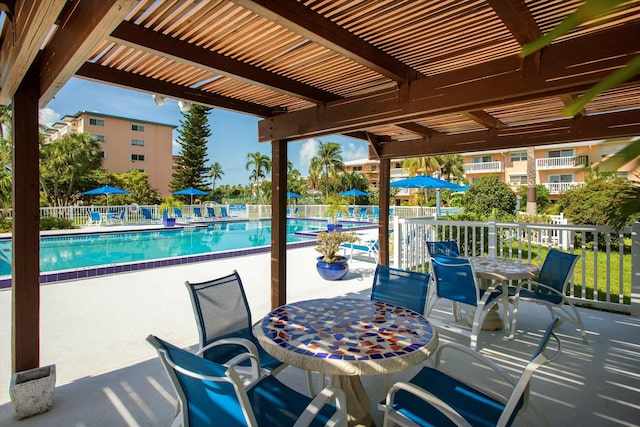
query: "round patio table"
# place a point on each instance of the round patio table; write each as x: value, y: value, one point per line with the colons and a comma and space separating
x: 346, y: 338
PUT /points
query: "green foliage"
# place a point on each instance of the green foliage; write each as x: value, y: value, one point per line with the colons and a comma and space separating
x: 336, y: 205
x: 5, y: 225
x: 589, y: 204
x: 329, y: 243
x: 63, y: 165
x: 327, y: 162
x: 138, y: 183
x: 533, y: 219
x: 191, y: 162
x: 169, y: 203
x: 260, y: 165
x: 48, y: 223
x: 489, y: 197
x: 543, y: 201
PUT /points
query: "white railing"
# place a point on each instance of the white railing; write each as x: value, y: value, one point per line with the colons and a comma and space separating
x: 598, y: 247
x: 561, y: 187
x: 562, y: 162
x: 483, y: 167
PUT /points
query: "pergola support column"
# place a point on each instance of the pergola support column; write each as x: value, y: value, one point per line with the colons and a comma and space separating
x: 278, y: 223
x: 383, y: 225
x: 26, y: 225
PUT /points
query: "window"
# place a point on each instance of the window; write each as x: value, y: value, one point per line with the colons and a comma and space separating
x: 357, y: 168
x: 138, y: 157
x: 519, y: 157
x: 374, y: 168
x: 482, y: 159
x: 517, y: 180
x: 608, y: 150
x: 137, y: 142
x: 96, y: 122
x: 565, y: 177
x: 137, y: 128
x: 103, y: 154
x: 141, y: 170
x: 99, y: 138
x: 561, y: 153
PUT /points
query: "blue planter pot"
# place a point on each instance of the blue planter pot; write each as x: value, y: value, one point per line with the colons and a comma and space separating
x: 333, y: 270
x: 169, y: 222
x: 334, y: 227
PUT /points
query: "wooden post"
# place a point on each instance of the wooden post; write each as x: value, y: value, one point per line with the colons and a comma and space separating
x: 278, y: 223
x: 383, y: 225
x: 26, y: 225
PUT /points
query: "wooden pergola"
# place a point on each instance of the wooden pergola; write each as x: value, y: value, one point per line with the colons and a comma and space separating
x: 413, y: 78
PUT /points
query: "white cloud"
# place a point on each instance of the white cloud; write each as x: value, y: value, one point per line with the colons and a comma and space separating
x: 351, y: 151
x: 48, y: 116
x: 306, y: 153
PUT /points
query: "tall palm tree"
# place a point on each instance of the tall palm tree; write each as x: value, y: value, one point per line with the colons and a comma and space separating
x: 421, y: 165
x: 451, y: 164
x: 215, y: 172
x: 329, y: 160
x: 261, y: 164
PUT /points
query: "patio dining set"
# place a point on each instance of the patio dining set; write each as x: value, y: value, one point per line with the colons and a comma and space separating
x: 233, y: 377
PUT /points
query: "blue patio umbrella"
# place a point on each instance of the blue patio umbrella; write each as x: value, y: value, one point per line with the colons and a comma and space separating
x: 353, y: 192
x: 190, y: 192
x: 105, y: 191
x: 428, y: 182
x: 291, y: 195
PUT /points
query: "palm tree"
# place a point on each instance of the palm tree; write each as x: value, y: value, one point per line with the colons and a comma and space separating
x: 215, y: 172
x: 421, y: 165
x: 329, y: 160
x: 261, y: 164
x: 532, y: 205
x: 451, y: 164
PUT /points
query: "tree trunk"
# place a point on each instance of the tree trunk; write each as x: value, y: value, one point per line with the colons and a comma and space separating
x: 532, y: 205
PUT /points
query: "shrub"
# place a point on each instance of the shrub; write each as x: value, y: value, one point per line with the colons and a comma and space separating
x: 56, y: 224
x: 489, y: 197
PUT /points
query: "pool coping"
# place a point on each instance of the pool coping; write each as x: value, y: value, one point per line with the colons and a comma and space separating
x: 104, y: 270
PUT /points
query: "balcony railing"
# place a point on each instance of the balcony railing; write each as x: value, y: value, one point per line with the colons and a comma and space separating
x: 483, y: 167
x: 561, y: 187
x: 562, y: 162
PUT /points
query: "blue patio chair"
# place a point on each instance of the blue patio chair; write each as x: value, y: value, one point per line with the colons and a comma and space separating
x: 376, y: 214
x: 446, y: 248
x: 224, y: 322
x: 94, y: 218
x: 223, y: 212
x: 440, y: 396
x: 363, y: 214
x: 177, y: 212
x: 453, y: 279
x: 197, y: 213
x: 146, y: 215
x: 550, y: 289
x: 370, y: 247
x: 404, y: 288
x: 211, y: 213
x: 350, y: 210
x: 211, y: 394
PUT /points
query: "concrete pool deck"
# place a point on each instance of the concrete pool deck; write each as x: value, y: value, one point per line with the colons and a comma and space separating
x: 94, y: 330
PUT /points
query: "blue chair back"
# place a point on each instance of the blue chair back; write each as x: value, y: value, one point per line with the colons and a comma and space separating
x: 211, y: 212
x: 406, y: 289
x: 146, y: 213
x: 177, y: 212
x: 351, y: 214
x: 207, y: 402
x: 197, y: 212
x: 454, y: 279
x: 446, y: 248
x: 223, y: 211
x: 556, y: 270
x: 95, y: 216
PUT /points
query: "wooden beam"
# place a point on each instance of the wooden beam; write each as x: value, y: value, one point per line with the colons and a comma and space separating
x: 74, y: 40
x: 484, y: 118
x: 383, y: 221
x: 613, y: 125
x: 568, y: 66
x: 300, y: 19
x: 518, y: 19
x: 419, y: 129
x: 137, y: 82
x: 25, y: 259
x: 568, y: 98
x: 23, y: 37
x: 279, y: 224
x: 156, y: 43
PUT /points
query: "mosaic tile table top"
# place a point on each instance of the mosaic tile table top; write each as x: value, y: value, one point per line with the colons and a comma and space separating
x: 344, y: 336
x: 502, y: 268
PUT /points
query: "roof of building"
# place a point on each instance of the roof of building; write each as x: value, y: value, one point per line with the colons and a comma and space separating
x: 94, y: 113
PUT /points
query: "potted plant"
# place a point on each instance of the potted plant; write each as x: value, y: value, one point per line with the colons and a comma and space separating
x: 330, y: 265
x: 336, y: 206
x: 166, y: 208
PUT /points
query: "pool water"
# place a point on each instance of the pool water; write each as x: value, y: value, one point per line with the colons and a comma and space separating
x: 98, y: 249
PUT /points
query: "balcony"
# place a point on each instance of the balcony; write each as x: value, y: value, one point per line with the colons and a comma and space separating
x: 398, y: 173
x: 561, y: 187
x: 563, y: 162
x: 483, y: 167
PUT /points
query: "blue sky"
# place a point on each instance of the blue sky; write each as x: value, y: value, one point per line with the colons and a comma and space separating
x: 233, y: 135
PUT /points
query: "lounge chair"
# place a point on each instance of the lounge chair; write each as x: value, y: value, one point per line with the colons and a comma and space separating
x: 212, y: 394
x: 370, y: 247
x: 177, y: 212
x: 223, y: 212
x: 363, y: 214
x: 441, y: 396
x: 94, y: 218
x: 211, y: 213
x: 146, y: 215
x: 351, y: 212
x: 376, y: 214
x: 197, y: 214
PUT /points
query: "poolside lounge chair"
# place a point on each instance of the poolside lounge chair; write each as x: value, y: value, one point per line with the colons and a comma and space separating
x: 212, y: 394
x: 197, y: 214
x: 211, y: 213
x: 363, y: 214
x: 146, y: 215
x: 370, y: 247
x: 94, y: 218
x: 376, y: 214
x: 177, y: 212
x: 223, y: 212
x: 351, y: 213
x: 443, y: 396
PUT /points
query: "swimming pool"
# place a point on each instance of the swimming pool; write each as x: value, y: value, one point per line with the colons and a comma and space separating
x: 86, y: 255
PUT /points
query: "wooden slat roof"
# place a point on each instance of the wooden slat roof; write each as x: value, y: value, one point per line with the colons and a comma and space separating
x: 411, y: 76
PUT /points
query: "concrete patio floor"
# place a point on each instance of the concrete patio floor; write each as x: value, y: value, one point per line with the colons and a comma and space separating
x: 107, y: 375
